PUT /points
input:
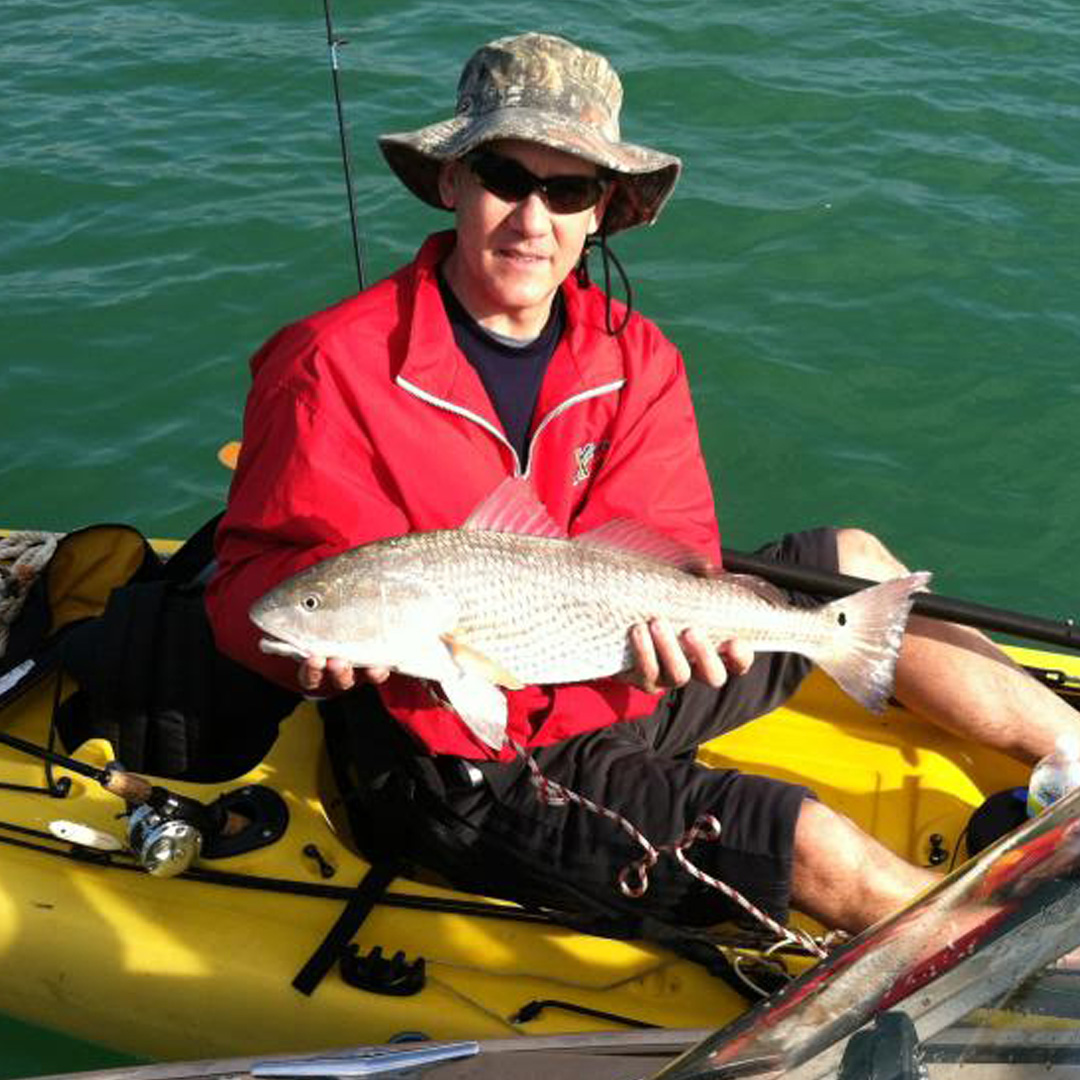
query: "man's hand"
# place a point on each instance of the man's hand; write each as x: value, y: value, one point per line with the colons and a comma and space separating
x: 664, y: 659
x: 330, y: 674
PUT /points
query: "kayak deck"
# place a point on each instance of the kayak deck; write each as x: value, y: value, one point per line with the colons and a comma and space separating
x: 86, y: 942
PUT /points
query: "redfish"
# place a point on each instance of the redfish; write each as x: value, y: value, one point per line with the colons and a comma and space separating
x: 509, y: 600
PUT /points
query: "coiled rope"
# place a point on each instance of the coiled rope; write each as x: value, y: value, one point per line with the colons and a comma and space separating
x: 23, y: 555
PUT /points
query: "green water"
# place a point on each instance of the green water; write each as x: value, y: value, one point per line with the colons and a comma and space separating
x: 871, y: 264
x: 32, y: 1051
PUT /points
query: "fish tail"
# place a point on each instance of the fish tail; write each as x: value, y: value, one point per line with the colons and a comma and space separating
x: 861, y: 655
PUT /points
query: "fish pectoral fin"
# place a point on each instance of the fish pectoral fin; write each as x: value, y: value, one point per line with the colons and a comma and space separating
x: 480, y: 704
x: 474, y: 662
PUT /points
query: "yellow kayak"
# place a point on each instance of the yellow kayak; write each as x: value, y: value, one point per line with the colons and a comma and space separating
x: 92, y: 944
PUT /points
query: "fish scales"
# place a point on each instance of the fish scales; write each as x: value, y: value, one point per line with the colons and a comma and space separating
x: 481, y: 607
x: 551, y: 611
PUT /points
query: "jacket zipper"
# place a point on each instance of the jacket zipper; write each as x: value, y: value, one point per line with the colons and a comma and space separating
x: 585, y: 395
x: 448, y: 406
x: 468, y: 414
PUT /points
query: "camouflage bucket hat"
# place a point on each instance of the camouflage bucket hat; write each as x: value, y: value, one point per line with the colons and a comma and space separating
x: 543, y: 89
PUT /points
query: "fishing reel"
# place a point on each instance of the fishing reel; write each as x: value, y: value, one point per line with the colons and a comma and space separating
x: 166, y: 832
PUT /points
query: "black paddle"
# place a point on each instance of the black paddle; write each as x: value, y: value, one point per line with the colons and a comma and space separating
x: 825, y: 583
x: 1063, y: 633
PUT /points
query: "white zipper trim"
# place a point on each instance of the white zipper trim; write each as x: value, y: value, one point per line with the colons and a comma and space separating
x: 585, y: 395
x: 468, y: 414
x: 440, y: 403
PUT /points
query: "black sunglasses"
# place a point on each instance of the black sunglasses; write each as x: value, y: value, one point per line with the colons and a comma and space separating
x: 511, y: 181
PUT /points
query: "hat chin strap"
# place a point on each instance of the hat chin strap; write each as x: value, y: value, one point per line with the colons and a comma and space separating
x: 581, y: 272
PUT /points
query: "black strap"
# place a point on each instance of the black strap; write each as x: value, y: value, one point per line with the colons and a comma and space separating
x: 357, y: 908
x: 195, y: 555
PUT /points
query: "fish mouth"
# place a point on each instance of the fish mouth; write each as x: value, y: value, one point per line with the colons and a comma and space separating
x: 276, y: 646
x: 276, y: 642
x: 279, y: 645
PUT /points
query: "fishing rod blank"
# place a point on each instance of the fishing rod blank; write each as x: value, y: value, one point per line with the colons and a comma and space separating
x: 334, y: 43
x: 113, y: 778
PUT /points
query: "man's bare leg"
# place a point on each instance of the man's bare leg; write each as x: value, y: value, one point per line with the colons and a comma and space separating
x: 845, y: 878
x: 957, y: 678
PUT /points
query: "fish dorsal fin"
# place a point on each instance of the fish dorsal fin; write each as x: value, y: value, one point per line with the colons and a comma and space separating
x: 765, y: 589
x: 513, y: 507
x: 625, y: 534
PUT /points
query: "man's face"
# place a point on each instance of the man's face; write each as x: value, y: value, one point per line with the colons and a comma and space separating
x: 511, y: 257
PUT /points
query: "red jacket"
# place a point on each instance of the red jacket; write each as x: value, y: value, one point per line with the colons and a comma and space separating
x: 366, y: 421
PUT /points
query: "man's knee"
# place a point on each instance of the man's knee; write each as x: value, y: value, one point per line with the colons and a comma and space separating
x: 844, y: 877
x: 861, y: 554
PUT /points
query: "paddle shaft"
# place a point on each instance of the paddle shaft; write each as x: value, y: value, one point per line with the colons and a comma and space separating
x: 1064, y: 633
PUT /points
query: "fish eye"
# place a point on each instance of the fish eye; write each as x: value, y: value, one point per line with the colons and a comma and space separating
x: 310, y: 602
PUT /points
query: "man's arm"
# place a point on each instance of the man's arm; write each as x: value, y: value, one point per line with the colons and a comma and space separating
x: 304, y: 489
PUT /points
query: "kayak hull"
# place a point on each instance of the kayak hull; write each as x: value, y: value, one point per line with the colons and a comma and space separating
x: 203, y: 965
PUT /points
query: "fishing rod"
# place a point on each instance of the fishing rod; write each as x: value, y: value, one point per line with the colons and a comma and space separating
x: 227, y: 454
x: 166, y: 831
x: 334, y: 43
x: 112, y: 778
x: 809, y: 579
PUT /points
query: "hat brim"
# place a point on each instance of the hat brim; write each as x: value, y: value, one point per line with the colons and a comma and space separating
x: 646, y: 177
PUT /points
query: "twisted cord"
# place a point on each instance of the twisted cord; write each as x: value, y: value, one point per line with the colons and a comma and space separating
x: 633, y: 879
x: 23, y: 555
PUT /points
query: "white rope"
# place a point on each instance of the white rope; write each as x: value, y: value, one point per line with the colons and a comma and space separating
x: 23, y: 555
x: 633, y: 879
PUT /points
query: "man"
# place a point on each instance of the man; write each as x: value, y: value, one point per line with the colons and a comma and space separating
x: 402, y: 408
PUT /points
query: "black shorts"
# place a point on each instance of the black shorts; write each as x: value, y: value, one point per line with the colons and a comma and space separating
x: 646, y: 771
